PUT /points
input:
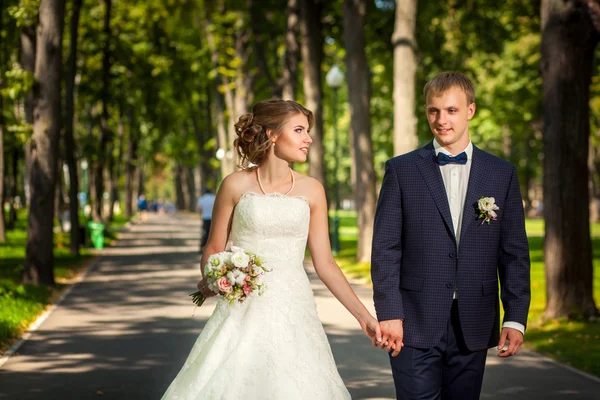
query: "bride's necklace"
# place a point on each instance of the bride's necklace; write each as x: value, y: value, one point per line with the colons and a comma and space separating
x: 263, y: 190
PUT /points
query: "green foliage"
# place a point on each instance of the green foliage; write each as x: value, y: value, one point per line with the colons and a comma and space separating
x: 25, y: 13
x: 18, y: 83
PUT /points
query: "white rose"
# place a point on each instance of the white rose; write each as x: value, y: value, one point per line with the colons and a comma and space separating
x: 240, y: 259
x: 487, y: 204
x: 214, y: 262
x: 236, y: 277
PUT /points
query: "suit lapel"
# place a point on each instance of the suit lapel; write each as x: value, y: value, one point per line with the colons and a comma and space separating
x: 475, y: 190
x: 433, y: 178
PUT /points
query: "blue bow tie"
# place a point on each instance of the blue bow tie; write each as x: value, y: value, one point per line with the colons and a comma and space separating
x: 444, y: 159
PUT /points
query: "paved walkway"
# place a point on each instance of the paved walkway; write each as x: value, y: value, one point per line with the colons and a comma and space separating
x: 124, y: 332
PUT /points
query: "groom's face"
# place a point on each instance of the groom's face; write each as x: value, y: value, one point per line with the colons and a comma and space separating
x: 448, y: 114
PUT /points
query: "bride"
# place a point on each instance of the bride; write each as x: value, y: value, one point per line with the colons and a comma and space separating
x: 271, y: 346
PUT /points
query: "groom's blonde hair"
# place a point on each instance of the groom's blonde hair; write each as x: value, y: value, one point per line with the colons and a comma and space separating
x: 444, y: 81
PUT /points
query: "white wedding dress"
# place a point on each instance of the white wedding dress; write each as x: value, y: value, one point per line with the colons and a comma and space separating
x: 271, y: 346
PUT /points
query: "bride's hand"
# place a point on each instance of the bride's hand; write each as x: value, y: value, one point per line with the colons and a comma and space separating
x: 203, y: 287
x: 371, y: 328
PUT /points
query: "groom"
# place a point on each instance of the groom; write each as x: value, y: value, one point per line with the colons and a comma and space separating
x: 449, y: 224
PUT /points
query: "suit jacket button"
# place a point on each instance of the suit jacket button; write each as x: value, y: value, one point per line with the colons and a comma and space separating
x: 452, y: 254
x: 449, y: 285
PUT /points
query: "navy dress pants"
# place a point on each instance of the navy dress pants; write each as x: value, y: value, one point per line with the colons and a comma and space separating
x: 448, y: 371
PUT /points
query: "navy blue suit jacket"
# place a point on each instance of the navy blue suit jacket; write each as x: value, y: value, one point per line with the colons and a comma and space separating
x: 416, y: 265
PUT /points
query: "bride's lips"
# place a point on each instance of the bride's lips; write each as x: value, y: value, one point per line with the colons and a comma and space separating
x: 304, y: 150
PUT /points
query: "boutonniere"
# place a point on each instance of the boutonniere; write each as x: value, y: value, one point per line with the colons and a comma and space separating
x: 486, y: 206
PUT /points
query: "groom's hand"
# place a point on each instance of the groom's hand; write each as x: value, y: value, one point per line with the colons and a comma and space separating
x: 392, y: 333
x: 510, y: 342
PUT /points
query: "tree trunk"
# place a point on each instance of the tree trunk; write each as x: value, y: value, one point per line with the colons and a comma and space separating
x: 256, y: 11
x: 568, y: 42
x: 141, y: 187
x: 116, y: 170
x: 14, y: 188
x: 39, y: 259
x: 2, y: 172
x: 69, y: 139
x: 405, y: 69
x: 179, y: 193
x: 131, y: 163
x: 312, y: 57
x: 28, y: 54
x: 290, y: 61
x: 230, y: 156
x: 359, y: 92
x: 59, y: 200
x: 191, y: 189
x: 2, y: 216
x: 226, y: 166
x: 105, y: 133
x: 223, y: 101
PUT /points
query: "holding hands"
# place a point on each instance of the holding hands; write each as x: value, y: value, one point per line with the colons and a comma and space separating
x: 392, y: 336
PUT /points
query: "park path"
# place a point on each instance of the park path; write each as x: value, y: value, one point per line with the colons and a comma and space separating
x: 126, y: 329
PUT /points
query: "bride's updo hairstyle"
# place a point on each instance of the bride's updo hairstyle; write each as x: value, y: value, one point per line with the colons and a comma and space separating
x: 253, y: 144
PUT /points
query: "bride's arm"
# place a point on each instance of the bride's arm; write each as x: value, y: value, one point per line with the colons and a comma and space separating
x: 326, y: 267
x: 219, y: 228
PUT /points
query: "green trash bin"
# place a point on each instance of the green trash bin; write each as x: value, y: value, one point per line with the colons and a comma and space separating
x: 97, y: 234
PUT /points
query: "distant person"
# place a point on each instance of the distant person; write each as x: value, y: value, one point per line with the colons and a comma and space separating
x: 143, y: 207
x: 206, y: 203
x: 160, y: 206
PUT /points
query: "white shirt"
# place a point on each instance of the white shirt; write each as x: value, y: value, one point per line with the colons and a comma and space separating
x: 456, y: 181
x: 206, y: 203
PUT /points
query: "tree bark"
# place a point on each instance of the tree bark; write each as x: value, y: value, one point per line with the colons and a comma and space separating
x: 28, y: 54
x: 131, y: 163
x: 312, y: 57
x: 179, y: 192
x: 405, y: 69
x: 256, y: 12
x: 140, y: 176
x: 105, y: 133
x: 39, y: 258
x: 226, y: 166
x: 191, y: 189
x: 568, y: 42
x: 115, y: 171
x: 14, y: 188
x: 359, y: 93
x: 68, y: 134
x: 2, y: 180
x: 2, y: 172
x: 290, y: 61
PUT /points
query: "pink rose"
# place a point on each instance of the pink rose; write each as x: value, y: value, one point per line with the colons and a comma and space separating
x: 247, y: 289
x: 224, y: 285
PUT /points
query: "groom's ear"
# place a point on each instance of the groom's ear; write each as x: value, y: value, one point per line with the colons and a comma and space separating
x: 471, y: 111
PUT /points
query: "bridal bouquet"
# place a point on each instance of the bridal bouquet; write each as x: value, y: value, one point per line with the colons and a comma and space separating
x: 234, y: 275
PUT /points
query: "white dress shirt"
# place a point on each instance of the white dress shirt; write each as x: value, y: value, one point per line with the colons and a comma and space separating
x: 456, y: 181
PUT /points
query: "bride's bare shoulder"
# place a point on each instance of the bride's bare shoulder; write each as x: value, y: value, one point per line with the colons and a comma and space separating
x: 310, y: 188
x: 236, y: 184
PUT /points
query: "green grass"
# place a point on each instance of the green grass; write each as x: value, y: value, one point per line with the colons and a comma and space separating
x: 576, y: 343
x: 21, y: 304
